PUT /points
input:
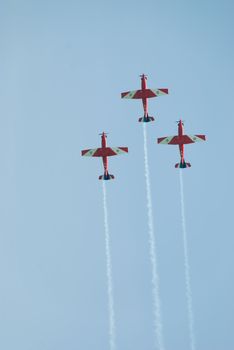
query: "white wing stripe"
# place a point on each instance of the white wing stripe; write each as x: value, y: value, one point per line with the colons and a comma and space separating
x: 130, y: 94
x: 90, y: 153
x: 167, y: 140
x: 158, y: 92
x: 118, y: 150
x: 195, y: 138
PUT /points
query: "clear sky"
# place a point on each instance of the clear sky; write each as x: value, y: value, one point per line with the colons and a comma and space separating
x: 63, y: 65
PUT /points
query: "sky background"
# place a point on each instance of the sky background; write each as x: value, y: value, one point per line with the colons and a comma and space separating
x: 63, y: 65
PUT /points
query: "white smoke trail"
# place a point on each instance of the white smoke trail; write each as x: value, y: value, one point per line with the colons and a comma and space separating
x: 187, y: 269
x: 153, y: 257
x: 112, y: 334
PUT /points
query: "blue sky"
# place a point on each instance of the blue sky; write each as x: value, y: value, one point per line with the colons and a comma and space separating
x: 63, y: 66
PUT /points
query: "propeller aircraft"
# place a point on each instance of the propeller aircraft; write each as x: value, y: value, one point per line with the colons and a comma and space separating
x: 144, y: 94
x: 181, y: 140
x: 104, y: 152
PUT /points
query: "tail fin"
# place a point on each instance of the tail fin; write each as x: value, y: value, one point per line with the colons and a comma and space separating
x: 106, y: 177
x: 183, y: 165
x: 146, y: 119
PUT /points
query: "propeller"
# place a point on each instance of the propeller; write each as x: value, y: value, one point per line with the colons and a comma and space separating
x: 178, y: 121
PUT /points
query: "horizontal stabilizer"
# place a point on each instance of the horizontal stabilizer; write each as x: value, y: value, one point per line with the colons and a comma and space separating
x: 106, y: 177
x: 183, y: 165
x: 181, y: 140
x: 147, y: 93
x: 104, y: 152
x: 146, y: 119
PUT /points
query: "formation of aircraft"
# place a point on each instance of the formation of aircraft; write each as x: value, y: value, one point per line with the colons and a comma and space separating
x: 144, y: 94
x: 181, y: 140
x: 104, y: 152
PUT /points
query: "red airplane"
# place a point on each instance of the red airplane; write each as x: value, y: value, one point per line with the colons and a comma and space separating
x: 144, y: 94
x: 181, y: 140
x: 104, y: 152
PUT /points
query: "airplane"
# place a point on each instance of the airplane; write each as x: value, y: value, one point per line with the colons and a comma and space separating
x: 181, y: 140
x: 104, y: 152
x: 144, y: 94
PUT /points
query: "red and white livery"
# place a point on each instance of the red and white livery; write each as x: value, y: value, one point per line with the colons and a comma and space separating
x: 144, y: 94
x: 181, y: 140
x: 104, y: 152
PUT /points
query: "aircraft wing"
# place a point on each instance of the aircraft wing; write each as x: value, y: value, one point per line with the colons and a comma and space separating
x: 196, y: 138
x: 159, y: 92
x: 140, y: 94
x: 179, y: 140
x: 168, y: 140
x: 104, y: 152
x: 132, y: 94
